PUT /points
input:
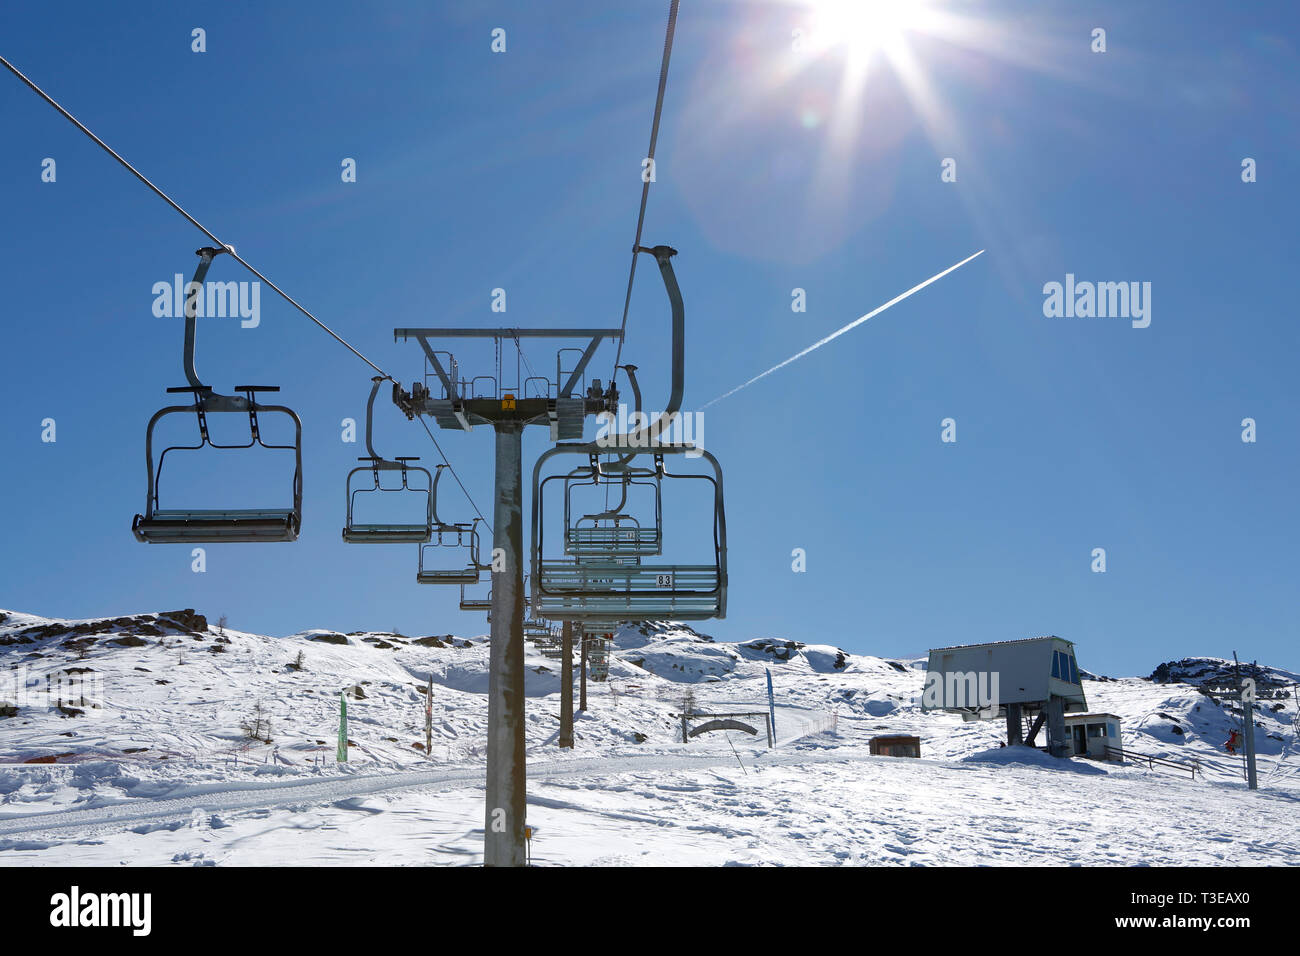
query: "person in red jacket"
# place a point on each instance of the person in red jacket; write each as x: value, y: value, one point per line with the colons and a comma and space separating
x: 1230, y: 745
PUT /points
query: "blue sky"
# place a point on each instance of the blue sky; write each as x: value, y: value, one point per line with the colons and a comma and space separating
x: 520, y: 170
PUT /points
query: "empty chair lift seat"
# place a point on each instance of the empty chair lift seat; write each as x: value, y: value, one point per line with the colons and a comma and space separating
x: 460, y: 537
x: 218, y: 525
x: 385, y: 533
x: 388, y: 532
x: 212, y: 526
x: 628, y: 592
x: 475, y: 603
x: 595, y: 541
x: 447, y: 575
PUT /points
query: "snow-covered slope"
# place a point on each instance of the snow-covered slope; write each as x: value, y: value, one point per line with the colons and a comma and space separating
x: 157, y: 714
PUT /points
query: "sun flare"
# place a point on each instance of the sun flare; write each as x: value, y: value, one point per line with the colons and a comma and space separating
x: 863, y: 28
x: 876, y: 46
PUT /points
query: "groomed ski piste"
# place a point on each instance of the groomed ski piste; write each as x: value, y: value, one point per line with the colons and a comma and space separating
x: 164, y: 772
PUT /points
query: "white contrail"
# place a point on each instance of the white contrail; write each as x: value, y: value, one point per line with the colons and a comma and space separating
x: 838, y: 332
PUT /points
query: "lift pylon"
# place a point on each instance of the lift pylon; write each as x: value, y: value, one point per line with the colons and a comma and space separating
x: 459, y: 404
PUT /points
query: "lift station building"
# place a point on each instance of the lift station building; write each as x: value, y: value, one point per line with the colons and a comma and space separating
x: 1030, y: 683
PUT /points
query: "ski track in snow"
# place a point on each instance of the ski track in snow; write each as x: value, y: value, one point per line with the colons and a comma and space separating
x: 309, y: 792
x: 820, y: 808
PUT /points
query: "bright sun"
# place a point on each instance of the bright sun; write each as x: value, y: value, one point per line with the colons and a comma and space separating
x: 864, y: 27
x: 868, y: 39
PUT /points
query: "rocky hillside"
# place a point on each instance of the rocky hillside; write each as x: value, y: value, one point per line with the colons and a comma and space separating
x: 173, y: 689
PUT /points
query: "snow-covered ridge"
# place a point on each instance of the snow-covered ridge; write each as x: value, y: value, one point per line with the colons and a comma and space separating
x: 177, y: 687
x: 186, y: 715
x: 1216, y: 671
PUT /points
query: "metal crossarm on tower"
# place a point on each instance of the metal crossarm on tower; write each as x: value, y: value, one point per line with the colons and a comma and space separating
x: 460, y: 406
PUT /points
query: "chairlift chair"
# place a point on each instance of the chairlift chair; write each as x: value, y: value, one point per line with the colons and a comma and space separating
x: 615, y: 586
x: 537, y: 629
x: 389, y: 532
x: 452, y: 536
x: 612, y: 533
x: 205, y: 526
x: 598, y: 657
x: 475, y: 603
x: 610, y: 588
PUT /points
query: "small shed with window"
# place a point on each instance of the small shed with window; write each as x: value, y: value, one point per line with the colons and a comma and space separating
x: 1089, y: 735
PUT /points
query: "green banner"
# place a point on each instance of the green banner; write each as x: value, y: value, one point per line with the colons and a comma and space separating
x: 343, y: 727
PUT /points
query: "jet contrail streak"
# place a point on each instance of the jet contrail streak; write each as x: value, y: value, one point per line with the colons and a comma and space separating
x: 838, y: 332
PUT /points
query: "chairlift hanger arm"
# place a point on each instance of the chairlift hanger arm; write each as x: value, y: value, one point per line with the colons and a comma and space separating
x: 460, y: 529
x: 437, y: 477
x: 192, y: 291
x: 379, y: 462
x: 205, y: 398
x: 370, y: 419
x: 617, y: 510
x: 650, y: 154
x: 663, y: 255
x: 622, y: 501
